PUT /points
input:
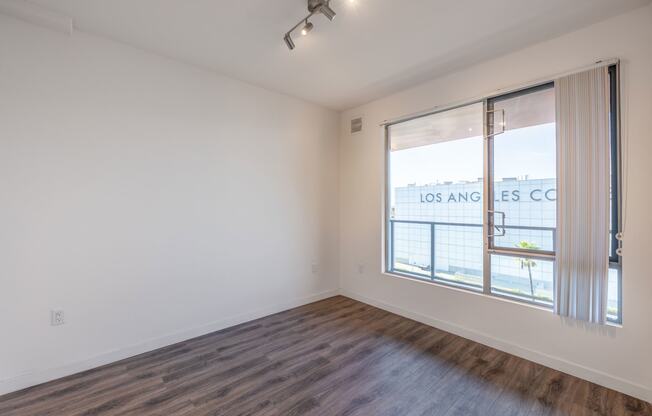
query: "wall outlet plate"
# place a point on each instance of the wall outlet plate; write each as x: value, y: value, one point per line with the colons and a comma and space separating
x: 57, y: 317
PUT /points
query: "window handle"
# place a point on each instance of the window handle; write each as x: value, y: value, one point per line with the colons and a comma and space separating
x: 503, y: 124
x: 500, y: 228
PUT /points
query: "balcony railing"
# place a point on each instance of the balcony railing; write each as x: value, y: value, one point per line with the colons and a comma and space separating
x: 472, y: 277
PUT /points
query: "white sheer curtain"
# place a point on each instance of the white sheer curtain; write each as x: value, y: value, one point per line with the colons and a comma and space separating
x: 582, y: 263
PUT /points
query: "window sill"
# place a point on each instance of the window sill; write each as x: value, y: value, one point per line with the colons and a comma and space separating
x: 463, y: 289
x: 478, y: 292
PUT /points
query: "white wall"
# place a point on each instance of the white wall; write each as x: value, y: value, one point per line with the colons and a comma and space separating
x: 615, y: 357
x: 151, y: 200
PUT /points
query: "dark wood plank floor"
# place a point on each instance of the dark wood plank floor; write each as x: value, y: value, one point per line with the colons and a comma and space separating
x: 334, y: 357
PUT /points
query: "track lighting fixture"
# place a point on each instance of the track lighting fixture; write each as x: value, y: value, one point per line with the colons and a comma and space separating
x: 314, y: 7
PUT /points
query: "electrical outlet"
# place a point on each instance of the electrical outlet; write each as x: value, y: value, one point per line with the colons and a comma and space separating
x: 315, y: 268
x: 57, y: 317
x: 361, y: 268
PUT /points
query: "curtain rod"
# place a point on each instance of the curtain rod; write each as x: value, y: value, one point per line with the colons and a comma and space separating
x: 500, y: 91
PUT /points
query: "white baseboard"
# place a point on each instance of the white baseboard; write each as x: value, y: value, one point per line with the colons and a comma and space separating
x: 586, y: 373
x: 42, y: 376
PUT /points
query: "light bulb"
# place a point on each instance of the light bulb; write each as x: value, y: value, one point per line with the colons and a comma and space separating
x: 306, y: 28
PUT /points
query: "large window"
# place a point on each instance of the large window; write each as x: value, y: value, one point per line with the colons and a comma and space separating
x: 472, y: 197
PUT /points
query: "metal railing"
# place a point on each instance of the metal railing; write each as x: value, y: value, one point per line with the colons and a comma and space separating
x: 433, y: 238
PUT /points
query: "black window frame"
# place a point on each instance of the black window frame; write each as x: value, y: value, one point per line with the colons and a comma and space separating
x: 615, y: 162
x: 615, y: 179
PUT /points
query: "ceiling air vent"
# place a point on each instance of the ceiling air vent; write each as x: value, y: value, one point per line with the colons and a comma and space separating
x: 356, y: 125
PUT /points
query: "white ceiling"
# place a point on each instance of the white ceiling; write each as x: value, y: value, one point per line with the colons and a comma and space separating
x: 372, y: 48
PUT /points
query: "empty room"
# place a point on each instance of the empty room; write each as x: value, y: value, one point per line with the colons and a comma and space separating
x: 325, y: 207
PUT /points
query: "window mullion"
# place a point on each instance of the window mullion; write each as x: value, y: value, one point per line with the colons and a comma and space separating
x: 486, y: 202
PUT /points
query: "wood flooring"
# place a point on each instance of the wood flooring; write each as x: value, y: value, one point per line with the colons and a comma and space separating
x: 333, y: 357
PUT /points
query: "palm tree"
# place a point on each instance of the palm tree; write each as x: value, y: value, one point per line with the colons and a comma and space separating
x: 529, y: 263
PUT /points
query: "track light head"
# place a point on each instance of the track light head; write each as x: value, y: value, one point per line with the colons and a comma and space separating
x: 321, y: 6
x: 288, y: 41
x: 326, y: 10
x: 306, y: 28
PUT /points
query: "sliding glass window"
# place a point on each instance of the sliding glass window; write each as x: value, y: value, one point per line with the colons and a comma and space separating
x: 521, y: 147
